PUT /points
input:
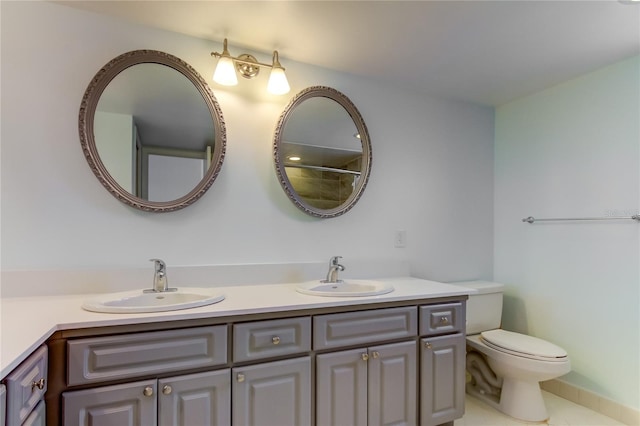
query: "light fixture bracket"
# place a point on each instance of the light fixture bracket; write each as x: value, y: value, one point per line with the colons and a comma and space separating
x: 247, y: 65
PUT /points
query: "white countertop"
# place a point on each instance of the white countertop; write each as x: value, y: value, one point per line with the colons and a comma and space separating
x: 27, y: 322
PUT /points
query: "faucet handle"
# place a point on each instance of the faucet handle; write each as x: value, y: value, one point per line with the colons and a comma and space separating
x: 160, y: 266
x: 334, y: 260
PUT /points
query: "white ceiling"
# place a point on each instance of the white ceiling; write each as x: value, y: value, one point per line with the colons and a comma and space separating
x: 487, y: 52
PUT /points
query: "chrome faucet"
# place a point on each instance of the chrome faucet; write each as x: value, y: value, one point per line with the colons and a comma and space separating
x: 160, y: 280
x: 334, y: 267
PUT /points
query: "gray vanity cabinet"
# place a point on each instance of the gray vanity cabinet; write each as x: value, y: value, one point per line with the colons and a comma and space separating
x: 391, y: 364
x: 369, y: 386
x: 442, y: 363
x: 273, y: 393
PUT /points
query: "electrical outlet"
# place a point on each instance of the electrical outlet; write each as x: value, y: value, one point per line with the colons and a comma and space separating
x: 400, y: 239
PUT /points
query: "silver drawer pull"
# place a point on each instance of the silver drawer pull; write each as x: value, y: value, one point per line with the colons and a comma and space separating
x: 240, y: 377
x: 364, y: 357
x: 427, y: 345
x: 444, y: 320
x: 148, y: 391
x: 375, y: 354
x: 275, y: 340
x: 166, y: 389
x: 39, y: 384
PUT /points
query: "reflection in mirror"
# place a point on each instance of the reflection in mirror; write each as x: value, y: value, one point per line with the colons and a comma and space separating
x: 322, y: 152
x: 152, y: 131
x: 322, y: 157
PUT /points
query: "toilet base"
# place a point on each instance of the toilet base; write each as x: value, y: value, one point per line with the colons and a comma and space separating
x: 519, y: 399
x: 523, y: 400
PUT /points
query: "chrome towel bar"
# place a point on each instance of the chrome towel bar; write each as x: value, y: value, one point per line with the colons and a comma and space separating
x: 532, y: 219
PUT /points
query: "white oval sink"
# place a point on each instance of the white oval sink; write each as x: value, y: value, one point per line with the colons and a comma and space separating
x: 139, y: 302
x: 346, y: 288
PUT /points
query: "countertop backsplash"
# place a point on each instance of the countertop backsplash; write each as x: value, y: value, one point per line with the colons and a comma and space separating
x: 29, y: 283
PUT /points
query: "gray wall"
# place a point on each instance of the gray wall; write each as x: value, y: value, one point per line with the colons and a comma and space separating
x: 432, y: 166
x: 573, y: 151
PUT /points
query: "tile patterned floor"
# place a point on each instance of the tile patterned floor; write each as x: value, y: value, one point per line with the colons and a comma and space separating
x: 561, y: 411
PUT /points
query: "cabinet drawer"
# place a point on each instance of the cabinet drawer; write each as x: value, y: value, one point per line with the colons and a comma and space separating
x: 26, y: 386
x: 355, y: 328
x: 441, y: 319
x: 125, y: 356
x: 265, y: 339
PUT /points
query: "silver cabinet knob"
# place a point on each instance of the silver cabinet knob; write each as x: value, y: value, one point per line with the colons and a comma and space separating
x: 240, y: 377
x: 427, y: 345
x: 364, y: 356
x: 275, y: 340
x: 39, y: 384
x: 166, y: 389
x: 444, y: 320
x: 148, y: 391
x: 375, y: 354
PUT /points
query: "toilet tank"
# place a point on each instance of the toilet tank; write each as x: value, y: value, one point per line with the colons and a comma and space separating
x: 484, y: 308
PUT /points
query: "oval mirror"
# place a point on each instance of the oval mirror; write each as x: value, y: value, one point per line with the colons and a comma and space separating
x: 152, y: 131
x: 322, y: 152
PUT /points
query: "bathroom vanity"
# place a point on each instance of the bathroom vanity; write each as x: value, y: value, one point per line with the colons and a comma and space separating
x: 305, y: 360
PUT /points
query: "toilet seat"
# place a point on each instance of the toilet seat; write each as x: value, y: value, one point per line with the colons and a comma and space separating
x: 523, y: 346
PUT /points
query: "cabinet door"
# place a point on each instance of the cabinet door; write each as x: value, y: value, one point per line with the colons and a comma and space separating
x: 195, y: 399
x: 273, y: 393
x: 37, y: 416
x: 130, y: 404
x: 3, y: 404
x: 442, y: 379
x: 341, y: 388
x: 26, y: 386
x: 393, y: 384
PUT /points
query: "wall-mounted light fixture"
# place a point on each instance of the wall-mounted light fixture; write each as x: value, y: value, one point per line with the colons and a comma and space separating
x: 248, y: 67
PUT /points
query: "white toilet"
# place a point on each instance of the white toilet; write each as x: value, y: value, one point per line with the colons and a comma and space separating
x: 508, y: 372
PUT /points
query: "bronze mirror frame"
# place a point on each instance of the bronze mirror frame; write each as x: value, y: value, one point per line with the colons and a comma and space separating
x: 87, y: 138
x: 345, y: 102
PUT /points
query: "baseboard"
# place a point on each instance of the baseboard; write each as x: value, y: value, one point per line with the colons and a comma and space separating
x: 593, y: 401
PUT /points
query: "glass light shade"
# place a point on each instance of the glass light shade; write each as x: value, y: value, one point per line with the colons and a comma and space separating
x: 225, y: 72
x: 278, y: 84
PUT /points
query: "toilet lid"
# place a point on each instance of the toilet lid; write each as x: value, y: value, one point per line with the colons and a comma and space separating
x: 523, y: 345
